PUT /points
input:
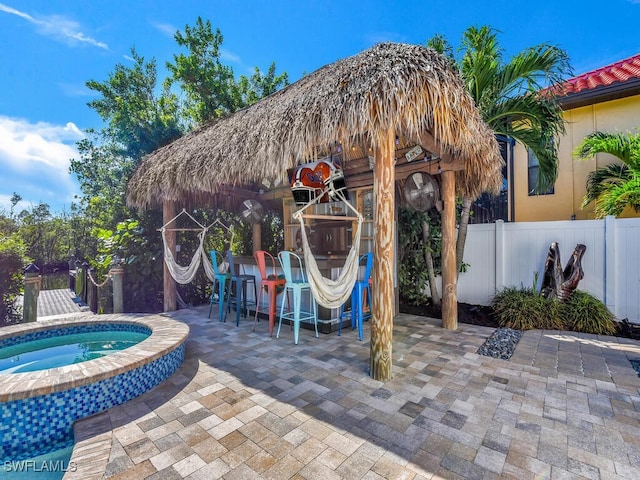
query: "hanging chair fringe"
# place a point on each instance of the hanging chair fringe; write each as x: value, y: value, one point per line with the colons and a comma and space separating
x: 184, y: 275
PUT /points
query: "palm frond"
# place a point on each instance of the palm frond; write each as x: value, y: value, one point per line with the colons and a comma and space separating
x: 529, y: 110
x: 506, y: 94
x: 620, y: 196
x: 603, y: 179
x: 481, y: 60
x: 532, y: 69
x: 624, y: 146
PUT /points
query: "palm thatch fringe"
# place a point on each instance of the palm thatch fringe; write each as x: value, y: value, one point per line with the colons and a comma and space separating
x: 407, y: 88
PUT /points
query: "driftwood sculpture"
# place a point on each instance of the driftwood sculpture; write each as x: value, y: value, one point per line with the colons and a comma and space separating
x: 557, y: 283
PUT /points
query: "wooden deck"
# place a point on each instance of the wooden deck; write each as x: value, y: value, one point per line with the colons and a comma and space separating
x: 59, y: 302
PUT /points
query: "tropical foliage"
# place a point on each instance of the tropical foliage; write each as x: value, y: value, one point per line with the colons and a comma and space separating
x: 617, y: 185
x: 507, y: 94
x: 413, y: 277
x: 142, y: 114
x: 210, y: 87
x: 526, y: 309
x: 13, y: 260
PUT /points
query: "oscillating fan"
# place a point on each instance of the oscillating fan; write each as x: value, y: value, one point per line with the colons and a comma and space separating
x: 253, y: 211
x: 421, y: 191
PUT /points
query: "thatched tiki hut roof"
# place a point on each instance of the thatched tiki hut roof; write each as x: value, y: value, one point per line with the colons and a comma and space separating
x: 387, y: 91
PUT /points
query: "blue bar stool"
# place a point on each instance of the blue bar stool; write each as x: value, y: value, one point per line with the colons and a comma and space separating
x: 360, y: 297
x: 221, y: 278
x: 239, y: 298
x: 290, y: 260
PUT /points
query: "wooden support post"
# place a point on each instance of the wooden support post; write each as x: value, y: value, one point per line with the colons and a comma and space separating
x: 84, y: 295
x: 31, y: 292
x: 169, y: 284
x: 117, y: 279
x: 257, y: 237
x: 449, y: 273
x: 78, y: 283
x: 93, y: 293
x: 383, y: 254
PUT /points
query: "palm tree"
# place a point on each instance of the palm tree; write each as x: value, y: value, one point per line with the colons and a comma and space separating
x: 509, y: 99
x: 616, y: 186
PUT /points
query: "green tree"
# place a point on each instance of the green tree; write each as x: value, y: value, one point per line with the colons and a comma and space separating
x: 47, y: 237
x: 259, y: 86
x: 617, y: 185
x: 507, y: 93
x: 138, y: 120
x: 13, y: 260
x: 141, y: 117
x: 210, y: 87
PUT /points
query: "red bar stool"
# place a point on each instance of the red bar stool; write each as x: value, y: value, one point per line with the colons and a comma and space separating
x: 271, y: 283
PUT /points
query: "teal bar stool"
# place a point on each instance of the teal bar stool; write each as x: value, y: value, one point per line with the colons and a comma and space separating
x: 296, y: 284
x: 360, y: 297
x: 221, y: 279
x: 239, y: 298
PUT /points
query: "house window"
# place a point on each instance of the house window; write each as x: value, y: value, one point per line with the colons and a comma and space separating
x: 534, y: 168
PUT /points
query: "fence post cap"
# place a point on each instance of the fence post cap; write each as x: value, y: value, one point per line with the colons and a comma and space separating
x: 31, y: 269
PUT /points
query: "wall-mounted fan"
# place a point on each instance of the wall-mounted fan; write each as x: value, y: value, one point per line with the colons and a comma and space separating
x: 253, y: 211
x: 421, y: 191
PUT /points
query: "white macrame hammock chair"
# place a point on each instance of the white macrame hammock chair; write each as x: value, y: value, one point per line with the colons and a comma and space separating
x: 327, y: 292
x: 184, y: 275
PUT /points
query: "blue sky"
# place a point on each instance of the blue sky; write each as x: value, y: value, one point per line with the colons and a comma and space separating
x: 51, y: 48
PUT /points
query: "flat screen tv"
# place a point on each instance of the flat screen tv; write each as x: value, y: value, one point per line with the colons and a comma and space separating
x: 309, y: 181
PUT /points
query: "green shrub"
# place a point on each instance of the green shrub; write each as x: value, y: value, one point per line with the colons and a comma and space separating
x: 585, y: 313
x: 12, y: 262
x: 525, y: 309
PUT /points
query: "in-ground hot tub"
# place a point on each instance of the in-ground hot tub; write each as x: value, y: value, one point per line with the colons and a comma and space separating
x: 37, y: 409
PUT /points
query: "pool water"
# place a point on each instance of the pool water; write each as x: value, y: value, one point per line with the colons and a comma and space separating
x: 65, y: 350
x: 47, y: 466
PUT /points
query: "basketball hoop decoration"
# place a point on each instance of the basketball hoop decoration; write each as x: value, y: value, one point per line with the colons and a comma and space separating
x: 324, y: 178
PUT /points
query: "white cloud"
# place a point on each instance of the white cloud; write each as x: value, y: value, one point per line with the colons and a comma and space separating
x: 35, y: 159
x: 229, y: 56
x: 73, y: 90
x: 165, y: 28
x: 57, y: 27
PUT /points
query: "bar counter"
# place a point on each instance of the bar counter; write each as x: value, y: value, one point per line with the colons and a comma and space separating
x: 330, y: 267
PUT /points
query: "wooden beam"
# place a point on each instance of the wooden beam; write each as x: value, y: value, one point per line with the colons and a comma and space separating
x: 257, y: 237
x: 383, y: 258
x: 328, y: 217
x: 169, y: 284
x: 449, y: 271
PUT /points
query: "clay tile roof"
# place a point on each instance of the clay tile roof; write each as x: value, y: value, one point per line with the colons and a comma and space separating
x: 627, y: 69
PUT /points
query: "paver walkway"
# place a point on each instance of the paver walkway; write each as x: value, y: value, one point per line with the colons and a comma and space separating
x: 245, y: 406
x: 58, y: 302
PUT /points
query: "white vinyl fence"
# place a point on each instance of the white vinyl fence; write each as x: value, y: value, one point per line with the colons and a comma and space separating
x: 509, y: 254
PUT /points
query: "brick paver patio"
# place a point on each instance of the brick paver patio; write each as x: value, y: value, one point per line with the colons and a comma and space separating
x: 245, y: 406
